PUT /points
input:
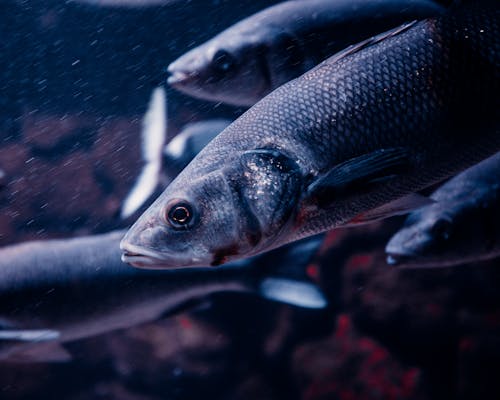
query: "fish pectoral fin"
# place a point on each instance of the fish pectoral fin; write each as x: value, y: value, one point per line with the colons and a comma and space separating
x: 360, y: 172
x: 399, y: 206
x: 298, y: 293
x: 42, y: 352
x: 30, y: 335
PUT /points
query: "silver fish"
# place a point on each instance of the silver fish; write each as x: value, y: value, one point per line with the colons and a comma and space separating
x: 253, y: 57
x: 345, y: 143
x: 461, y: 227
x: 58, y: 291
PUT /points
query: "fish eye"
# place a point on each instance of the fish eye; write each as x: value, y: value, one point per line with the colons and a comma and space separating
x: 223, y: 61
x: 180, y: 214
x: 442, y: 229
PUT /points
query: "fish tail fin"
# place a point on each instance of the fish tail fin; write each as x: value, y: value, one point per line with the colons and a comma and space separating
x: 154, y: 130
x: 284, y: 275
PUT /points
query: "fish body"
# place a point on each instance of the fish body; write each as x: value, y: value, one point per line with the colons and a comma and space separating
x: 365, y: 128
x: 57, y: 291
x: 463, y: 225
x: 253, y: 57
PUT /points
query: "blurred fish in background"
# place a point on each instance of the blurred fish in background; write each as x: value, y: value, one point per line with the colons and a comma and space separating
x: 462, y: 226
x: 250, y: 59
x: 59, y: 291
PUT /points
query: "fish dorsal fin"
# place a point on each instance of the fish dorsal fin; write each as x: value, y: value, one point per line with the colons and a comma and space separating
x: 356, y: 173
x: 400, y: 206
x: 354, y: 48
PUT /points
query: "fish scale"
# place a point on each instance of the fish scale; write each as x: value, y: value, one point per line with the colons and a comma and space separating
x: 429, y: 88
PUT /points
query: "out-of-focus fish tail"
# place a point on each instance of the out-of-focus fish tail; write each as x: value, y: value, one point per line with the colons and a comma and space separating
x: 284, y: 275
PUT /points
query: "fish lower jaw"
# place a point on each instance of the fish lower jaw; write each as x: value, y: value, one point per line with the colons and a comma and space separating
x: 179, y: 78
x: 145, y: 259
x: 142, y: 261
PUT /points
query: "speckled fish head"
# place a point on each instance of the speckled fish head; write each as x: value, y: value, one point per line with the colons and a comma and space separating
x: 443, y: 234
x: 230, y: 68
x: 233, y: 212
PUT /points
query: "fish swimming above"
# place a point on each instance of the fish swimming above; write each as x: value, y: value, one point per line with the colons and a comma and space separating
x: 57, y: 291
x: 248, y: 60
x: 347, y: 142
x: 462, y: 226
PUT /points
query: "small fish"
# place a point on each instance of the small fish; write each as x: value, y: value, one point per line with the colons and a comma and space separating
x: 154, y: 130
x: 253, y: 57
x: 347, y: 142
x: 462, y: 226
x: 58, y: 291
x: 188, y: 143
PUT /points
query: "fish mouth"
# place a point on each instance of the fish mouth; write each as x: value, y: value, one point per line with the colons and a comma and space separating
x: 180, y: 78
x: 149, y: 259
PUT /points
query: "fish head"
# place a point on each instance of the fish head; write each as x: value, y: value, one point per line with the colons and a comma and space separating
x: 442, y: 235
x: 227, y: 214
x: 230, y: 68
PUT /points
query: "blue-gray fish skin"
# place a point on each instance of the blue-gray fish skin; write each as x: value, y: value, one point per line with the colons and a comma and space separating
x: 360, y: 130
x: 248, y: 60
x: 58, y: 291
x: 462, y: 226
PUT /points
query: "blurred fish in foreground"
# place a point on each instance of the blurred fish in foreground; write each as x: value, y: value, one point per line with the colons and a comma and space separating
x: 462, y: 226
x: 255, y: 56
x: 57, y: 291
x: 154, y: 131
x: 346, y: 143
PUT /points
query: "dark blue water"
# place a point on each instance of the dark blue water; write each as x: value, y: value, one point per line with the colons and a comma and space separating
x: 75, y: 81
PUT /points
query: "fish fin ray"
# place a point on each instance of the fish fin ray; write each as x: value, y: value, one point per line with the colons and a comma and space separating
x: 376, y: 167
x: 400, y: 206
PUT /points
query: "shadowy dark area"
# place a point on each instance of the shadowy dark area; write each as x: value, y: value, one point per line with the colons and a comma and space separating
x: 75, y: 82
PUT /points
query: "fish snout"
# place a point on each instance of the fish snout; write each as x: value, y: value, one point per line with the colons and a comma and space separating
x: 179, y: 77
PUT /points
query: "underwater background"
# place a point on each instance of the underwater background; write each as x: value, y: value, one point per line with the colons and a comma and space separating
x: 75, y: 81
